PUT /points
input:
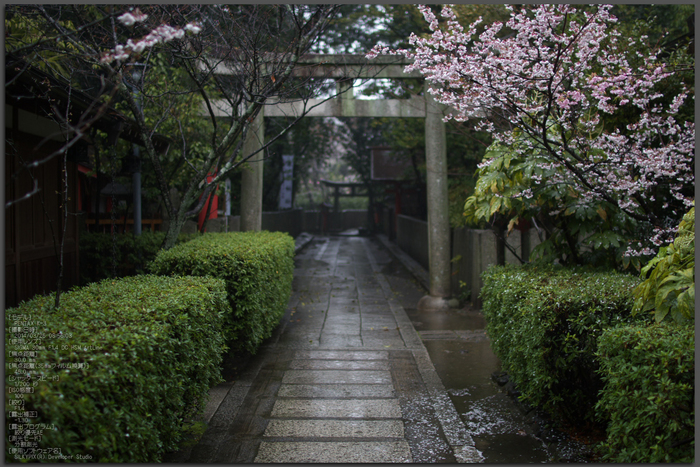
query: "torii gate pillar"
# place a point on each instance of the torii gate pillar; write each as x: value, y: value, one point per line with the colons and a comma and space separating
x: 438, y: 216
x: 252, y: 177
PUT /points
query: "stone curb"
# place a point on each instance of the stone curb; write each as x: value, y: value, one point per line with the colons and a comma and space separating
x: 453, y: 427
x: 301, y: 241
x: 409, y: 263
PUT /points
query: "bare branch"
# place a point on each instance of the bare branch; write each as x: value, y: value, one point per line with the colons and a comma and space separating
x: 27, y: 195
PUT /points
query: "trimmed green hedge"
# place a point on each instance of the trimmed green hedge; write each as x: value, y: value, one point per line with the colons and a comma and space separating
x: 544, y: 322
x: 133, y: 253
x: 258, y: 269
x: 649, y: 375
x: 141, y: 352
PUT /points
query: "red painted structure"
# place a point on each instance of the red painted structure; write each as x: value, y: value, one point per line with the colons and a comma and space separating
x: 213, y: 210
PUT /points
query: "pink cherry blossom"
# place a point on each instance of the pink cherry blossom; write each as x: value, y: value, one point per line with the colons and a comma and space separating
x: 129, y: 19
x: 161, y: 34
x: 553, y: 80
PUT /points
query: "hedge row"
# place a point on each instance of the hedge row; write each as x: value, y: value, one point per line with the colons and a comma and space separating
x: 119, y: 366
x: 649, y: 374
x: 98, y: 252
x: 257, y: 268
x: 544, y: 323
x: 124, y: 363
x: 568, y: 339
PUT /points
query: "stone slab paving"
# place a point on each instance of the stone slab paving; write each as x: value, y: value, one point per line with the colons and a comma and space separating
x: 336, y: 377
x: 298, y: 364
x: 337, y: 391
x: 335, y: 429
x: 334, y: 452
x: 336, y: 408
x: 345, y: 378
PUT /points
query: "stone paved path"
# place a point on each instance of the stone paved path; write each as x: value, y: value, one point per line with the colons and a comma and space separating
x: 344, y: 379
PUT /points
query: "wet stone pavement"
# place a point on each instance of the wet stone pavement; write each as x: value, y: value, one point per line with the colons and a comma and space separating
x: 354, y: 374
x: 344, y: 379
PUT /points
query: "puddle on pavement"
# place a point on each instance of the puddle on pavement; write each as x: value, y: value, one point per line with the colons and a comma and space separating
x: 501, y: 431
x: 462, y: 320
x: 464, y: 366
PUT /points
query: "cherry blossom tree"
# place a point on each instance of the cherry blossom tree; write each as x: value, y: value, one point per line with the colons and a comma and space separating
x: 156, y: 64
x: 162, y: 65
x: 554, y: 92
x: 46, y: 49
x: 50, y: 42
x: 259, y: 45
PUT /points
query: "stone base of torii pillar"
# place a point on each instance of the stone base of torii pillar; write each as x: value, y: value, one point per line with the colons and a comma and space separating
x: 432, y: 304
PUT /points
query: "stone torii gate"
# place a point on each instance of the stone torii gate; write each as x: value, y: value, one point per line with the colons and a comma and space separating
x: 344, y: 69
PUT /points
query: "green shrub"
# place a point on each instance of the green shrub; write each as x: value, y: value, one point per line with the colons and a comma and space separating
x: 544, y: 322
x: 132, y: 253
x: 649, y: 375
x: 257, y: 268
x: 144, y: 350
x: 669, y: 288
